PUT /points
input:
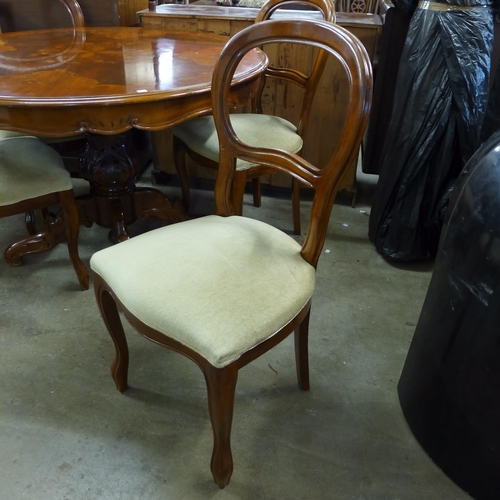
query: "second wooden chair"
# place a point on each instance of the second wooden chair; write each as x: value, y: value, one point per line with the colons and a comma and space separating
x: 33, y: 177
x: 198, y: 137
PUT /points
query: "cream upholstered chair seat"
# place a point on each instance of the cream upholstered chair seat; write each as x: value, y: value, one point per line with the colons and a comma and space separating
x: 266, y: 131
x: 188, y: 303
x: 6, y: 134
x: 29, y: 169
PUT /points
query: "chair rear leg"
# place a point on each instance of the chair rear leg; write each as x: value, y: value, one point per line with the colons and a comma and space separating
x: 256, y: 192
x: 296, y: 205
x: 72, y: 226
x: 302, y: 353
x: 238, y: 191
x: 111, y: 317
x: 221, y: 386
x: 181, y: 169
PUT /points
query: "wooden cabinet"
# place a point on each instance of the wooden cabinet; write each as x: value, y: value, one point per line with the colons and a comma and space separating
x: 280, y: 97
x: 127, y: 10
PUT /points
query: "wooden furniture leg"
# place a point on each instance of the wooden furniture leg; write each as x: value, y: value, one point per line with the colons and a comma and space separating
x: 302, y: 353
x: 109, y: 312
x: 221, y: 386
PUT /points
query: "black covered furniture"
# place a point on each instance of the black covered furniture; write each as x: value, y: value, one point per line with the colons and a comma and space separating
x: 449, y: 389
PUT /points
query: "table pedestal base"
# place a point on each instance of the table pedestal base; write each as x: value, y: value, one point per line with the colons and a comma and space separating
x: 117, y: 213
x: 109, y: 164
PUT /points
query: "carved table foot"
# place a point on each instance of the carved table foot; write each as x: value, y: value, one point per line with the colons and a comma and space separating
x: 91, y: 209
x: 150, y: 202
x: 52, y: 234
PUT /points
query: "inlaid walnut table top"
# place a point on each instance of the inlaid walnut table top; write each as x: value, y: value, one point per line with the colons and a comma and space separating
x: 104, y: 81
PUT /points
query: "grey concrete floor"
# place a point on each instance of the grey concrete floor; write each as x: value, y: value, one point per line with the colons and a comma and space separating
x: 68, y: 434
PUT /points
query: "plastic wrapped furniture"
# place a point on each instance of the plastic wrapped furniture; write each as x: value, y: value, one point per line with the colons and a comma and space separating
x: 449, y: 389
x: 439, y: 107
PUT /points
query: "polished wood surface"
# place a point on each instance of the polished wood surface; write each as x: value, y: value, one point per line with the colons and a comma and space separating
x: 105, y: 81
x: 109, y: 80
x: 221, y: 381
x: 280, y: 96
x: 229, y: 20
x: 127, y: 10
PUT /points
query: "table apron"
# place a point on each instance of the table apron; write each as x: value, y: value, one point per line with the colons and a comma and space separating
x: 110, y: 119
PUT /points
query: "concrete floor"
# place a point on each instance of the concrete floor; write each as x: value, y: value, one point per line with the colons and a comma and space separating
x: 68, y: 434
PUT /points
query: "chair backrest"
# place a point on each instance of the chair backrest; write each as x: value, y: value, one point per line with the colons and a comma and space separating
x: 325, y: 181
x: 76, y: 12
x: 327, y: 7
x: 308, y: 83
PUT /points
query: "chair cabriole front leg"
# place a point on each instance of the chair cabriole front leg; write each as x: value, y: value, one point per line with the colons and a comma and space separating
x: 111, y: 317
x: 221, y: 386
x: 72, y: 224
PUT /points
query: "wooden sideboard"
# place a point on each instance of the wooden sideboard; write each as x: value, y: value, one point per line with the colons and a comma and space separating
x: 229, y: 20
x: 280, y: 97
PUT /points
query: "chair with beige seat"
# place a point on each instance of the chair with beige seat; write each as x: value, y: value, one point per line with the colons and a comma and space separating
x: 198, y: 137
x: 222, y: 290
x: 33, y: 177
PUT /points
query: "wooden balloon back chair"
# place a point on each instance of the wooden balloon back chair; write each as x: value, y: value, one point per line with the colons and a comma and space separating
x: 222, y: 290
x: 198, y: 137
x: 33, y: 177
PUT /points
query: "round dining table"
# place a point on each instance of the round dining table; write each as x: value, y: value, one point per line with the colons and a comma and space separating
x: 105, y: 81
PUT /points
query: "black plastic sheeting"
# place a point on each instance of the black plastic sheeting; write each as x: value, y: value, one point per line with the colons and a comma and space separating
x: 439, y: 108
x: 450, y: 381
x: 492, y: 119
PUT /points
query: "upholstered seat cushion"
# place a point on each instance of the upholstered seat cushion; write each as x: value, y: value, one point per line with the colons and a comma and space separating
x: 29, y: 169
x: 219, y: 285
x: 264, y: 131
x: 5, y: 134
